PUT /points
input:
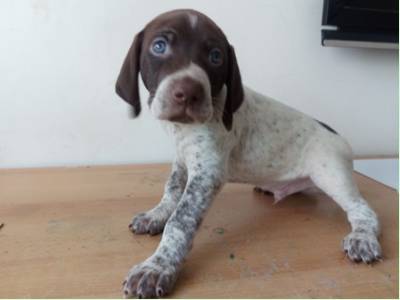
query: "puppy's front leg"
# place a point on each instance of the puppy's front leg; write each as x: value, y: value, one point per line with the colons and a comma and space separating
x: 153, y: 221
x: 156, y: 276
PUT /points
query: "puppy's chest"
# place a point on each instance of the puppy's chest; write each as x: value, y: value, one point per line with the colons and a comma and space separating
x: 200, y: 146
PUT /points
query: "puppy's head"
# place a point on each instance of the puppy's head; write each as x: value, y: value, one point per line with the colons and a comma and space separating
x: 185, y: 60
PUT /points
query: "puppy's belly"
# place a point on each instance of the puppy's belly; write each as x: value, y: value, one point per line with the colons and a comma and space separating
x: 259, y: 168
x: 281, y: 190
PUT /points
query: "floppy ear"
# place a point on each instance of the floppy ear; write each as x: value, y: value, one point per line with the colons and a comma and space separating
x: 127, y: 86
x: 234, y: 95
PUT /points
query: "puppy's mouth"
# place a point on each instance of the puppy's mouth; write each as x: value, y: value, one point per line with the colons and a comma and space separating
x: 183, y: 114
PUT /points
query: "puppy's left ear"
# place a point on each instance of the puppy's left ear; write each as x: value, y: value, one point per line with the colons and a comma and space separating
x: 127, y: 86
x: 235, y: 95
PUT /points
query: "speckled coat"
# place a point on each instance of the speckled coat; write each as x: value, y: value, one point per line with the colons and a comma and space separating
x: 272, y: 146
x: 257, y: 141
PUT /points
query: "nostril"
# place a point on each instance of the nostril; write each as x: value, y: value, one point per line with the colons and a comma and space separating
x: 179, y: 96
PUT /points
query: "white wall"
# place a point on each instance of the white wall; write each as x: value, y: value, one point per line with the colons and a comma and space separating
x: 59, y: 61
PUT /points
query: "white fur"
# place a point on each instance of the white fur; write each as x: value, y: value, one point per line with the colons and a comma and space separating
x: 270, y: 145
x: 193, y: 19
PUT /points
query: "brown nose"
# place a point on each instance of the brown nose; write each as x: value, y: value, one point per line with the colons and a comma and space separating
x: 187, y: 90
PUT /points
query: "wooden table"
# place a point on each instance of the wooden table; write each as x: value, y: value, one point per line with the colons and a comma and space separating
x: 65, y: 234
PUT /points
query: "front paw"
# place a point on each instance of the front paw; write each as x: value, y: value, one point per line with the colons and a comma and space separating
x: 149, y: 279
x: 362, y: 246
x: 148, y: 222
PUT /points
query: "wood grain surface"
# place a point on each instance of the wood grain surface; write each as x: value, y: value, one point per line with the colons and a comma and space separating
x: 65, y: 234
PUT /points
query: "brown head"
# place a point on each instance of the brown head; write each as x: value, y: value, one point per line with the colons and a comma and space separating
x: 185, y: 61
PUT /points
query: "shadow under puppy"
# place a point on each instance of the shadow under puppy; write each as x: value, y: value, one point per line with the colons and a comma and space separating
x: 225, y: 132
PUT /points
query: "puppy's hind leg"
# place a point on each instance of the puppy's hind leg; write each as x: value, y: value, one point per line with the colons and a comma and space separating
x: 334, y: 175
x: 153, y: 221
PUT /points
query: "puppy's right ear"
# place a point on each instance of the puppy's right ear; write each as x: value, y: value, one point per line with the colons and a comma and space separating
x: 127, y: 86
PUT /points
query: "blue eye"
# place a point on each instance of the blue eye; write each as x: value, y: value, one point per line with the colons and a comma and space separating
x: 159, y: 46
x: 215, y: 57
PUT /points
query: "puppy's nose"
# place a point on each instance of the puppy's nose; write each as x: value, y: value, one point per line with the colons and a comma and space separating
x: 187, y: 90
x: 179, y: 96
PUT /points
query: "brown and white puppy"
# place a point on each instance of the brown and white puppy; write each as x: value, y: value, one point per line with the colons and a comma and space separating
x: 224, y: 132
x: 197, y: 59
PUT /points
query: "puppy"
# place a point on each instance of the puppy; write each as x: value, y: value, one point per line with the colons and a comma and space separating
x: 225, y: 132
